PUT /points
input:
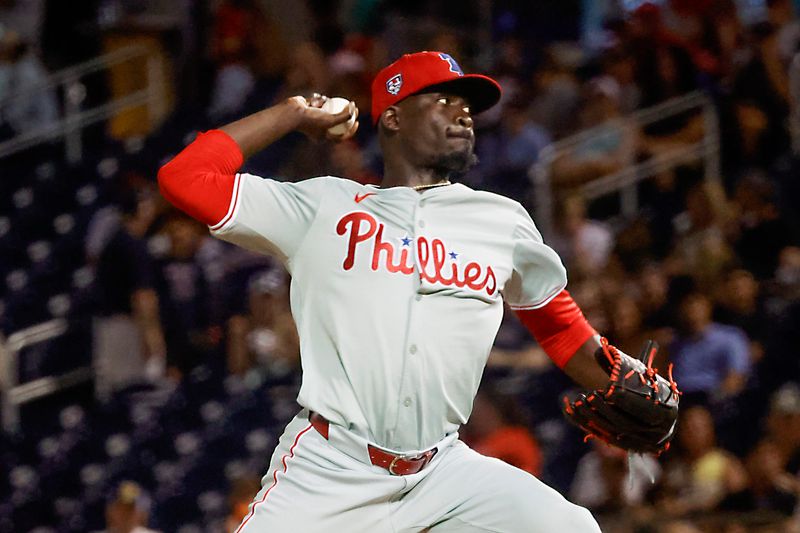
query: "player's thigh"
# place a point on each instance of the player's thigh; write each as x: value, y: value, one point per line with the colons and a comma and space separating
x: 470, y: 492
x: 311, y: 487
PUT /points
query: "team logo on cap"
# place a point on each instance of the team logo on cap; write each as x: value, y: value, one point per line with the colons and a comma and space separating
x: 452, y: 62
x: 394, y: 84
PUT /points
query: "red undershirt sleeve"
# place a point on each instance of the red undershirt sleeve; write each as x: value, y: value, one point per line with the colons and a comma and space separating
x: 200, y: 179
x: 559, y: 327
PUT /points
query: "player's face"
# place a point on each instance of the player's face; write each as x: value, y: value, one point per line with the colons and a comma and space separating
x: 437, y: 131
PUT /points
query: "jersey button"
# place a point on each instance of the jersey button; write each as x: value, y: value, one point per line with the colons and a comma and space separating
x: 418, y: 297
x: 421, y: 223
x: 407, y: 402
x: 413, y: 348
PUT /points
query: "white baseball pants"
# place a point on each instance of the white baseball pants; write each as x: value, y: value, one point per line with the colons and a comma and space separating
x: 312, y: 486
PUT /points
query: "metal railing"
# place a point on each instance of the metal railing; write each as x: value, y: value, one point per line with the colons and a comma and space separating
x: 14, y: 394
x: 624, y: 181
x: 73, y: 118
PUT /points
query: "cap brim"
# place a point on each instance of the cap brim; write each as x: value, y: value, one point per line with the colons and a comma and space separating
x: 482, y: 92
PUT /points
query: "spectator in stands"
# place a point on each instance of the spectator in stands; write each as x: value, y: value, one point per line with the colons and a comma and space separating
x: 184, y: 297
x: 708, y: 30
x: 785, y: 285
x: 605, y: 481
x: 653, y: 286
x: 507, y: 153
x: 613, y: 145
x: 583, y: 244
x: 663, y: 200
x: 129, y: 510
x: 712, y: 361
x: 665, y: 71
x: 761, y: 233
x: 679, y: 526
x: 103, y: 224
x: 783, y: 305
x: 626, y: 324
x: 512, y: 65
x: 782, y: 14
x: 783, y: 426
x: 738, y: 304
x: 634, y: 244
x: 761, y: 90
x: 128, y: 340
x: 497, y: 429
x: 236, y: 45
x: 771, y: 487
x: 683, y: 19
x: 21, y: 72
x: 266, y: 337
x: 618, y: 63
x: 702, y: 475
x: 352, y: 67
x: 25, y: 17
x: 307, y: 72
x: 718, y: 49
x: 590, y: 297
x: 702, y: 249
x: 794, y: 100
x: 557, y: 93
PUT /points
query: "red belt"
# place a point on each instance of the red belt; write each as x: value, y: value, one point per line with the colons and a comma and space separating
x: 398, y: 465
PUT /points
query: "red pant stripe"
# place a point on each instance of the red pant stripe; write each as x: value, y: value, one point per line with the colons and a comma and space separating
x: 284, y: 460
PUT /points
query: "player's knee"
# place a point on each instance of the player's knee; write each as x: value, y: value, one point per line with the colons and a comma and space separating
x: 534, y: 506
x: 558, y: 514
x: 569, y: 517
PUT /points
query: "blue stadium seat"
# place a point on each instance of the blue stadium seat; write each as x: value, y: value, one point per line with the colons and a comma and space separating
x: 86, y: 196
x: 260, y: 442
x: 23, y: 306
x: 212, y: 504
x: 29, y: 216
x: 11, y: 247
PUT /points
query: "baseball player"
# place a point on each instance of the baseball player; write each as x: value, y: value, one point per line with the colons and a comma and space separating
x: 398, y: 294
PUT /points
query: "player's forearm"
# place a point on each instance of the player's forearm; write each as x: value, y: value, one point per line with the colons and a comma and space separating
x: 255, y: 132
x: 200, y: 179
x: 582, y: 367
x: 567, y: 338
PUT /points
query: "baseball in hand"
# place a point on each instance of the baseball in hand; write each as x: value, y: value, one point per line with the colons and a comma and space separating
x: 336, y: 105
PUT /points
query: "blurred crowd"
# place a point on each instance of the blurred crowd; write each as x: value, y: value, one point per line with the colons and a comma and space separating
x: 708, y: 267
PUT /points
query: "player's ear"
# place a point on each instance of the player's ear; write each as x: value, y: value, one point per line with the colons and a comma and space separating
x: 390, y: 119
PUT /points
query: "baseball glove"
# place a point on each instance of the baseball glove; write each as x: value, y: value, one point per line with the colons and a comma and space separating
x: 636, y: 411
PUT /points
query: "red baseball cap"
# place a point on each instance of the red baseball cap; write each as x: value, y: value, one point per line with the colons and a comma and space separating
x: 414, y: 72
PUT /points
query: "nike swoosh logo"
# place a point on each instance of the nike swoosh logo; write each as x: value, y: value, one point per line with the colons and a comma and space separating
x: 360, y: 197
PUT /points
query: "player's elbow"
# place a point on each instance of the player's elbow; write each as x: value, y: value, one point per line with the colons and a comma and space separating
x: 168, y: 177
x: 175, y: 184
x: 176, y: 181
x: 196, y: 189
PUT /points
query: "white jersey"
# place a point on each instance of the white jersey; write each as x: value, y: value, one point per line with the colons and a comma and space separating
x: 397, y: 294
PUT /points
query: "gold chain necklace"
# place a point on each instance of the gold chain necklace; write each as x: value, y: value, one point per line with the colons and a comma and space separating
x: 431, y: 185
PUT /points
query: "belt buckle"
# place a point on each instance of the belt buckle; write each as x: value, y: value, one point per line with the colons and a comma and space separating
x: 394, y: 462
x: 421, y: 456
